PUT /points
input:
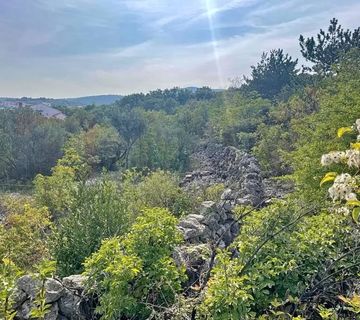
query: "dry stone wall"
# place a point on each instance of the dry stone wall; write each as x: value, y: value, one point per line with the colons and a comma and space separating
x: 65, y: 297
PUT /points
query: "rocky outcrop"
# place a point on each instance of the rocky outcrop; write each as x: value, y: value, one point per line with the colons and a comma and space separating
x: 65, y: 298
x: 238, y: 171
x: 212, y: 226
x: 213, y: 223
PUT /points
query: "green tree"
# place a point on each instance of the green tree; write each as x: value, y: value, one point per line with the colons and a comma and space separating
x: 131, y: 126
x: 275, y: 71
x: 328, y: 47
x: 101, y: 146
x: 33, y: 143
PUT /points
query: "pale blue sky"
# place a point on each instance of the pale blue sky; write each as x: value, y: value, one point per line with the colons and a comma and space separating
x: 83, y: 47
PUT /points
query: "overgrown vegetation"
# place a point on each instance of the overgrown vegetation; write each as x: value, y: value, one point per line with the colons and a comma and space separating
x: 105, y: 199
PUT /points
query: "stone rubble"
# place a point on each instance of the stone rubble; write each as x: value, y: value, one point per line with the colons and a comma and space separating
x: 65, y: 298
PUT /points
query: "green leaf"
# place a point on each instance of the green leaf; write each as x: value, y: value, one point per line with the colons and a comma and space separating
x: 356, y: 214
x: 330, y: 176
x: 343, y: 130
x: 354, y: 203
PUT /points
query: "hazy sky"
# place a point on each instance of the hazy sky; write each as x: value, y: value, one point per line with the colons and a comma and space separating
x: 71, y: 48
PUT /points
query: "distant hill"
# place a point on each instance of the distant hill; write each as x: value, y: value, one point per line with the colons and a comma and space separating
x: 106, y: 99
x: 70, y: 102
x: 84, y: 101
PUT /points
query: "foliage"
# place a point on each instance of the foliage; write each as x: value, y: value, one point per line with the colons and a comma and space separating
x: 271, y: 149
x: 97, y: 211
x: 339, y: 105
x: 272, y: 74
x: 101, y: 146
x: 45, y: 270
x: 57, y: 191
x: 236, y: 121
x: 9, y: 273
x: 167, y: 100
x: 157, y: 189
x: 135, y: 274
x: 276, y: 139
x: 30, y: 143
x: 213, y: 192
x: 23, y: 232
x: 131, y: 126
x: 353, y: 303
x: 329, y: 46
x: 165, y: 144
x: 345, y: 186
x: 280, y: 249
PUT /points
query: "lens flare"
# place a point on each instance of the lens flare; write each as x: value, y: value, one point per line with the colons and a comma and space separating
x: 210, y: 10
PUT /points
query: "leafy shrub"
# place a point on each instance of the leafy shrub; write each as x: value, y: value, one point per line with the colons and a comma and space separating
x: 97, y: 211
x: 345, y: 188
x: 135, y: 274
x: 235, y: 122
x: 339, y: 105
x: 9, y: 273
x: 44, y: 270
x: 281, y: 249
x: 209, y: 193
x: 57, y: 190
x: 23, y: 232
x: 271, y: 148
x: 157, y: 189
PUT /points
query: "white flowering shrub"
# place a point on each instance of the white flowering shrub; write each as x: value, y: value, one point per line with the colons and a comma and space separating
x: 345, y: 189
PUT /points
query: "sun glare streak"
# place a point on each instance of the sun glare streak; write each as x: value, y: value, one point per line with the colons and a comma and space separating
x: 210, y: 12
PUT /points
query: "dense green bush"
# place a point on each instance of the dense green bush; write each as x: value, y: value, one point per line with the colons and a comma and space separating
x: 56, y: 191
x: 157, y: 189
x: 234, y: 120
x: 97, y: 211
x: 281, y: 248
x: 135, y: 275
x: 24, y: 232
x: 339, y: 105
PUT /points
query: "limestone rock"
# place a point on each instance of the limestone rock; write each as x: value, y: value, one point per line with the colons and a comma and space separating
x: 195, y: 258
x: 207, y: 207
x: 75, y: 282
x: 23, y: 312
x: 238, y: 171
x: 53, y: 312
x: 54, y: 290
x: 69, y: 305
x: 28, y: 285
